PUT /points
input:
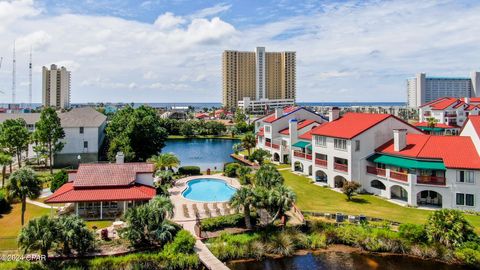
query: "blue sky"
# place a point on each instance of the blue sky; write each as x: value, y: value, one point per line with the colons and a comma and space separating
x: 170, y: 51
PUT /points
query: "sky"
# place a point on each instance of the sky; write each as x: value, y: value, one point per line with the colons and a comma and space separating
x: 170, y: 50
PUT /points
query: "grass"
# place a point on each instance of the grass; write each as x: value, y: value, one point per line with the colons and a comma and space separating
x: 10, y: 224
x: 311, y: 197
x: 229, y: 137
x: 100, y: 224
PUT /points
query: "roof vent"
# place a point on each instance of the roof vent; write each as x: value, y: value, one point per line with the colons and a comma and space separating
x: 399, y: 139
x: 278, y: 112
x: 120, y: 158
x: 333, y: 114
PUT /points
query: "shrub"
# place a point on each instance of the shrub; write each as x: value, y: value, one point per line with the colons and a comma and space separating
x: 469, y: 253
x: 182, y: 243
x: 349, y: 189
x: 449, y: 228
x: 58, y: 179
x: 318, y: 240
x: 217, y: 223
x: 189, y: 170
x: 413, y: 233
x: 230, y: 169
x: 4, y: 204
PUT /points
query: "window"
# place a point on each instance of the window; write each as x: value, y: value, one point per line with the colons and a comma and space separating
x: 340, y: 144
x: 357, y: 145
x: 81, y: 130
x: 465, y: 199
x: 267, y: 128
x: 321, y: 141
x: 466, y: 177
x: 85, y: 144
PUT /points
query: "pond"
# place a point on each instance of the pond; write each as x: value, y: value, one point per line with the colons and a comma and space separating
x: 205, y: 153
x: 342, y: 261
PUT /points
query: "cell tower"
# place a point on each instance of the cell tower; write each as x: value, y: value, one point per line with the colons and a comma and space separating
x: 30, y: 80
x: 14, y: 75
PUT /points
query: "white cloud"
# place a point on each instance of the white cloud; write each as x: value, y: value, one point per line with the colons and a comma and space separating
x: 13, y: 10
x: 211, y: 11
x: 168, y: 21
x: 37, y: 40
x: 91, y: 50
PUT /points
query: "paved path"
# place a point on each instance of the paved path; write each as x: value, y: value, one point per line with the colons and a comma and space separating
x: 40, y: 204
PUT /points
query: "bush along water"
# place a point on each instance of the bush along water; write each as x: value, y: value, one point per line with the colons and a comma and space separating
x: 446, y: 236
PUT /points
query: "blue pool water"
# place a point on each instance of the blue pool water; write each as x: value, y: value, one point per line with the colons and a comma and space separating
x: 205, y: 153
x: 208, y: 190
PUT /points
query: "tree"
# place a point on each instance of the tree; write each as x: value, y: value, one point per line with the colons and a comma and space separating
x: 237, y: 148
x: 165, y: 177
x: 215, y: 128
x: 187, y: 129
x: 260, y: 156
x: 39, y: 234
x: 49, y: 131
x: 349, y: 189
x: 165, y: 161
x: 16, y: 137
x: 244, y: 176
x: 449, y: 228
x: 74, y: 234
x: 23, y: 184
x: 268, y: 177
x: 135, y: 132
x: 5, y: 159
x: 248, y: 142
x: 244, y: 197
x: 282, y: 199
x: 58, y: 180
x: 431, y: 122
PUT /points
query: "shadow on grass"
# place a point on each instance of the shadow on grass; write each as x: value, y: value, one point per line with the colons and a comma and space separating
x: 359, y: 200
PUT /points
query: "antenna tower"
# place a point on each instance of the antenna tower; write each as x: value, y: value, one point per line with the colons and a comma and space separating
x: 14, y: 74
x: 30, y: 80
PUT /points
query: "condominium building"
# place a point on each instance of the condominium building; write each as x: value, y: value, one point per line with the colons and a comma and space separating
x: 263, y: 105
x: 56, y: 87
x: 422, y: 89
x: 258, y: 75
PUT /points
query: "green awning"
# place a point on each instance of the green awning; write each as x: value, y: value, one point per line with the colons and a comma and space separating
x: 431, y: 129
x: 406, y: 162
x: 309, y: 147
x: 301, y: 144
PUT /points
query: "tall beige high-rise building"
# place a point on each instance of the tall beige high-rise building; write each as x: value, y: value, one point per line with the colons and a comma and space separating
x: 56, y: 87
x: 258, y: 75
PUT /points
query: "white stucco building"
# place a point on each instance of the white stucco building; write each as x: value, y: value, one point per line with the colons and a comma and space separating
x: 263, y: 105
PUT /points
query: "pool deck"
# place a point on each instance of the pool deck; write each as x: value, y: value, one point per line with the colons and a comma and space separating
x: 188, y: 223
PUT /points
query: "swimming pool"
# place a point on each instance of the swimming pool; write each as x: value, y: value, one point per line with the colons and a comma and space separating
x: 208, y: 190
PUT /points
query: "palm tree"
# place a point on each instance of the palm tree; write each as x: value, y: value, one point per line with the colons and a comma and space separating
x: 163, y: 206
x: 165, y: 161
x: 243, y: 175
x: 268, y: 176
x: 431, y: 122
x: 74, y: 234
x: 244, y: 197
x: 39, y: 234
x: 249, y: 141
x: 5, y: 159
x: 282, y: 198
x: 24, y: 184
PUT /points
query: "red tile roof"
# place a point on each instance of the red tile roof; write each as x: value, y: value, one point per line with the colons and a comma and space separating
x: 439, y: 125
x: 444, y: 102
x: 271, y: 118
x: 350, y: 125
x: 455, y: 151
x: 107, y: 175
x: 475, y: 120
x: 67, y: 193
x: 300, y: 125
x: 306, y: 136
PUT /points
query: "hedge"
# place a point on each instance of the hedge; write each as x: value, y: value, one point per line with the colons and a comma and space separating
x: 230, y: 169
x: 189, y: 170
x: 221, y: 222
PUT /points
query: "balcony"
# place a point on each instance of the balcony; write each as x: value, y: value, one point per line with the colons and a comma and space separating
x: 376, y: 171
x: 399, y: 176
x: 321, y: 162
x: 299, y: 154
x: 450, y: 115
x: 275, y: 146
x: 308, y: 156
x: 340, y: 167
x: 268, y: 144
x: 431, y: 180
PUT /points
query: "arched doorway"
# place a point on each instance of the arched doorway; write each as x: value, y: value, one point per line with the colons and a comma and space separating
x: 377, y: 184
x: 429, y: 198
x: 321, y: 177
x: 339, y: 181
x: 298, y: 166
x: 399, y: 193
x: 310, y: 170
x: 276, y: 157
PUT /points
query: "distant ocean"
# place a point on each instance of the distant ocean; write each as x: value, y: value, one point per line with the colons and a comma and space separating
x: 218, y: 104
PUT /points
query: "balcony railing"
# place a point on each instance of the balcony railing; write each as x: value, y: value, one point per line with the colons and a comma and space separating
x: 450, y: 115
x: 340, y: 167
x: 275, y: 146
x: 376, y: 171
x: 431, y: 180
x: 299, y: 154
x: 321, y: 162
x: 308, y: 156
x: 268, y: 144
x: 399, y: 176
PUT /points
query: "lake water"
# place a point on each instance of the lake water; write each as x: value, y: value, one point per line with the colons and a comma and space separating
x: 205, y: 153
x: 342, y: 261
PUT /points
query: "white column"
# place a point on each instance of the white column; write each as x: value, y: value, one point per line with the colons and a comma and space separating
x: 101, y: 210
x: 76, y: 208
x: 124, y: 206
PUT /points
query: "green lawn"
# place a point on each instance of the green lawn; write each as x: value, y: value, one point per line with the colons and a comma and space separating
x: 100, y: 224
x: 311, y: 197
x: 10, y: 224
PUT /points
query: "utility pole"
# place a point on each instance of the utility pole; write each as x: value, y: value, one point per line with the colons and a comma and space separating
x: 14, y: 75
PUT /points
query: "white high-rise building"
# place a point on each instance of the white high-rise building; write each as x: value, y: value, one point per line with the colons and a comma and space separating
x: 56, y: 87
x: 260, y: 72
x: 422, y: 89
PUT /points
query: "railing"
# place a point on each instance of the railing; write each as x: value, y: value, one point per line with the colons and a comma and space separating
x: 299, y: 154
x: 268, y: 144
x: 321, y: 162
x: 340, y: 167
x: 308, y: 156
x: 399, y: 176
x: 431, y: 180
x: 275, y: 146
x: 450, y: 115
x: 376, y: 171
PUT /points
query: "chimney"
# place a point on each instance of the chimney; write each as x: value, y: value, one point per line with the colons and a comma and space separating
x: 278, y: 112
x: 333, y: 114
x: 293, y: 129
x: 120, y: 158
x: 399, y: 139
x: 467, y: 100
